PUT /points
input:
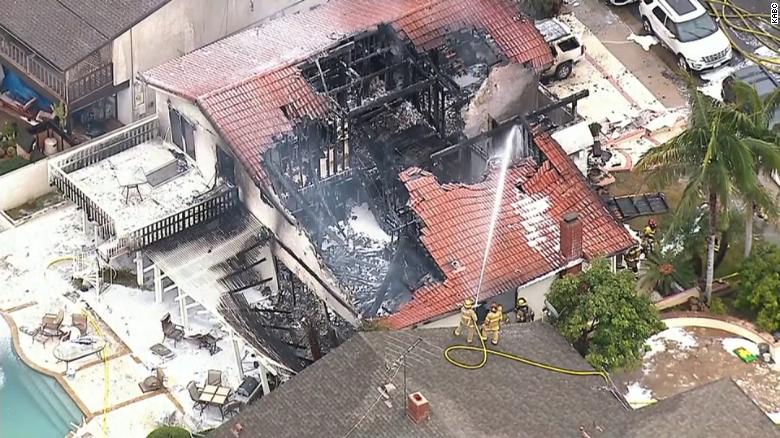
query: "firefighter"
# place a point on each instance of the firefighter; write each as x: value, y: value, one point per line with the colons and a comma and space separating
x: 524, y: 313
x: 468, y: 320
x: 648, y: 236
x: 492, y: 324
x: 632, y: 258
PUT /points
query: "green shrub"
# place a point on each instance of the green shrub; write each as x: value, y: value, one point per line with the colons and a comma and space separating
x: 170, y: 432
x: 717, y: 307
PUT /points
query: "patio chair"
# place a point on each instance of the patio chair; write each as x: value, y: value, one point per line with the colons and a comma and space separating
x: 230, y: 408
x: 51, y: 323
x: 171, y: 330
x: 214, y: 378
x: 194, y: 391
x: 79, y: 320
x: 153, y: 383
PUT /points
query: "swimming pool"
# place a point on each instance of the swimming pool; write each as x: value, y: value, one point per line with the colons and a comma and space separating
x: 31, y: 404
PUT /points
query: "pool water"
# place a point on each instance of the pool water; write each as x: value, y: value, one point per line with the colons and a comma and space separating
x: 31, y: 404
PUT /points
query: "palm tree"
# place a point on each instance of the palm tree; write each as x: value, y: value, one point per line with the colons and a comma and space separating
x: 754, y: 116
x: 718, y: 162
x: 668, y: 268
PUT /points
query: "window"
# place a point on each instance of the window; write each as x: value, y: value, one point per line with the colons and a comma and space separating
x: 696, y: 29
x: 659, y: 14
x: 671, y: 27
x: 182, y: 132
x: 569, y: 44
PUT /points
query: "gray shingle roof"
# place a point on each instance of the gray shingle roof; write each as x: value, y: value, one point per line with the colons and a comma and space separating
x: 66, y: 31
x: 718, y: 409
x: 504, y: 399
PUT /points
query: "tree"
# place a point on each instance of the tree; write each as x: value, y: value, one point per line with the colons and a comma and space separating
x: 668, y: 269
x: 169, y: 432
x: 755, y: 116
x: 718, y: 161
x: 759, y: 286
x: 601, y: 314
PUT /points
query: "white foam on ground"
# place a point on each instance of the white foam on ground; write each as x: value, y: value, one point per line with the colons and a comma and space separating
x: 646, y: 41
x: 638, y: 394
x: 362, y: 221
x: 731, y: 344
x: 683, y: 339
x: 775, y: 417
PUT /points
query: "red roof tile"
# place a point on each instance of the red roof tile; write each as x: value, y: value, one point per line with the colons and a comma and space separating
x: 240, y: 82
x: 456, y: 218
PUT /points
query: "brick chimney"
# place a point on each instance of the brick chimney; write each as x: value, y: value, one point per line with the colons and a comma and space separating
x: 571, y: 239
x: 417, y: 408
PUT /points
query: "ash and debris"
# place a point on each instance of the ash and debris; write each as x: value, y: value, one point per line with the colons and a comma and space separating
x: 280, y: 321
x: 362, y: 262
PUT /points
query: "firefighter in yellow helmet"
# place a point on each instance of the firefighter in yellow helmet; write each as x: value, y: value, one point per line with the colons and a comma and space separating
x: 492, y: 324
x: 468, y: 320
x: 524, y: 313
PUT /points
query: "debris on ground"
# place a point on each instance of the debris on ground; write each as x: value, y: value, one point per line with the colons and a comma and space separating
x: 680, y: 359
x: 646, y: 41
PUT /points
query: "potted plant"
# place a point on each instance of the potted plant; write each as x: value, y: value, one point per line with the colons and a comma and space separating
x: 8, y: 139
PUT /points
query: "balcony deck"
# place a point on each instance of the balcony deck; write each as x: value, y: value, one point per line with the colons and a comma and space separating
x: 103, y: 183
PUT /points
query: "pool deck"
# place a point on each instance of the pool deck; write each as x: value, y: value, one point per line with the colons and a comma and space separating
x: 125, y: 317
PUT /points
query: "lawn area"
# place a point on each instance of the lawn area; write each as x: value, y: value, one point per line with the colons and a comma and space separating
x: 10, y: 164
x: 629, y: 183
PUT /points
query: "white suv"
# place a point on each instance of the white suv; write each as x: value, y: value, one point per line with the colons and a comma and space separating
x: 685, y: 27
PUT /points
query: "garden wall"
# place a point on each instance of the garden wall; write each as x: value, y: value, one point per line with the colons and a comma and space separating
x: 24, y: 185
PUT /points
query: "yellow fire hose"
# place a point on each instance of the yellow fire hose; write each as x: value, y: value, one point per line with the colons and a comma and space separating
x: 93, y: 322
x: 486, y: 352
x: 741, y: 20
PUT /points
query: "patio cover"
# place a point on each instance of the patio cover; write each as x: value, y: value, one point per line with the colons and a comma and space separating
x: 208, y: 261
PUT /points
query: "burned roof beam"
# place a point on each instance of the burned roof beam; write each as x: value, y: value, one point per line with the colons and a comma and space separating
x: 244, y: 269
x: 357, y: 112
x: 368, y: 77
x: 250, y: 285
x: 568, y: 100
x: 571, y: 99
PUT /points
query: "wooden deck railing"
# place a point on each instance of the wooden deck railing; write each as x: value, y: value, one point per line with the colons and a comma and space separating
x: 71, y: 190
x: 205, y: 211
x: 92, y: 82
x: 110, y: 144
x: 27, y: 61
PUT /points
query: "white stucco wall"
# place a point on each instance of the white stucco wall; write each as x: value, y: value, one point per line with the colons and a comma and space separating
x: 297, y: 241
x: 205, y: 136
x: 182, y: 26
x: 25, y: 184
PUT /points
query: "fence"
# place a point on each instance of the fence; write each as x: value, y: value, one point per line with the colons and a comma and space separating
x: 110, y: 144
x: 209, y: 209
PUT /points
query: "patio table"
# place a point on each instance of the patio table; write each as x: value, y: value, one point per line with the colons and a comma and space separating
x: 69, y: 351
x: 214, y: 395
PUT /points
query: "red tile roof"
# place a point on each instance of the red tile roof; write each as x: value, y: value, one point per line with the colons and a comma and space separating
x: 526, y: 242
x: 241, y: 81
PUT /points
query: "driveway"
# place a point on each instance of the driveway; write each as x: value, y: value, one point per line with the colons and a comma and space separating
x: 654, y: 68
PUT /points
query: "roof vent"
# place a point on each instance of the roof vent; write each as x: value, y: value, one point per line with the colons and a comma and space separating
x: 455, y: 264
x: 417, y: 408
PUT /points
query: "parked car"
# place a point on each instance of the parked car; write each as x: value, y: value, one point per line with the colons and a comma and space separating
x: 685, y: 27
x: 566, y: 48
x: 764, y: 81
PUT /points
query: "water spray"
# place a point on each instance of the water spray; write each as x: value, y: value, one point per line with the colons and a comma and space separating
x: 505, y: 161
